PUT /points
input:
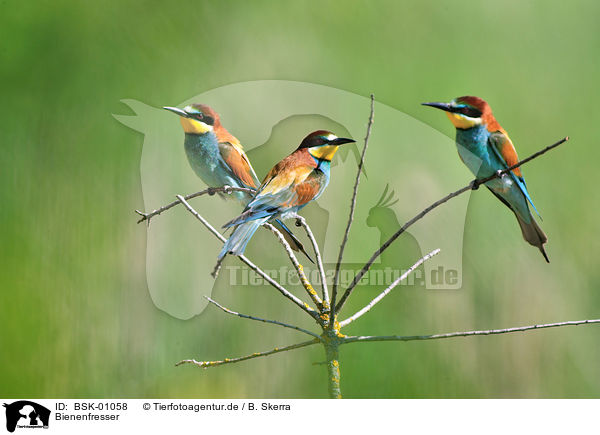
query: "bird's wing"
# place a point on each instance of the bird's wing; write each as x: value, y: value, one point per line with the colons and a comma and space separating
x: 503, y: 146
x: 289, y: 188
x: 281, y: 190
x: 504, y: 149
x: 237, y: 161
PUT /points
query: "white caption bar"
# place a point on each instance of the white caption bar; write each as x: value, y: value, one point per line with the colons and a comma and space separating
x: 24, y: 416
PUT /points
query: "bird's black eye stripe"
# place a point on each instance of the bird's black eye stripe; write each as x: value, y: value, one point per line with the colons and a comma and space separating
x: 208, y: 120
x: 314, y: 142
x: 470, y: 112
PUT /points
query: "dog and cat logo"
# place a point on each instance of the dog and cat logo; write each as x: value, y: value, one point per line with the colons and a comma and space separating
x: 26, y: 414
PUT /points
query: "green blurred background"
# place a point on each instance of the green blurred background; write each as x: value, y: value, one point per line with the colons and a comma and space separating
x: 76, y: 317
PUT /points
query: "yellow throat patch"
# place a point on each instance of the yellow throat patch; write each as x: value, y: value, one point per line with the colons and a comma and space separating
x: 193, y: 126
x: 325, y: 152
x: 461, y: 121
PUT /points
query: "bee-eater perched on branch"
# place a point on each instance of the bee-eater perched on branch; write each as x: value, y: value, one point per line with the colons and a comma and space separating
x: 485, y: 148
x: 296, y: 180
x: 218, y: 158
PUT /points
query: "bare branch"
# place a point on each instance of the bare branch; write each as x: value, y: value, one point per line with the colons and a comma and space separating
x: 206, y: 364
x: 364, y: 338
x: 210, y: 191
x: 384, y: 293
x: 471, y: 186
x: 315, y: 246
x: 336, y: 276
x: 274, y: 322
x: 197, y: 215
x: 303, y: 305
x: 299, y: 269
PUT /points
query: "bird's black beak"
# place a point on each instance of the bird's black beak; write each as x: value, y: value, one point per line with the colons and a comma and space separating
x: 341, y: 141
x: 442, y: 106
x: 177, y: 111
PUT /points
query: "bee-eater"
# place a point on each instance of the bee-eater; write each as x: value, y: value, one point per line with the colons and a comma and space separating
x: 217, y: 157
x: 485, y: 148
x: 296, y: 180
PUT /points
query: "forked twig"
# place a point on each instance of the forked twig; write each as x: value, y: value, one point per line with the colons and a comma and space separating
x: 338, y: 265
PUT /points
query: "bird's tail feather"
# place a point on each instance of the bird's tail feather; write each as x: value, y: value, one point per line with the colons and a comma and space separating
x: 533, y: 234
x: 292, y: 240
x: 236, y: 244
x: 249, y: 215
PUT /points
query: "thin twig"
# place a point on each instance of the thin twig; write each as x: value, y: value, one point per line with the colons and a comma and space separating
x: 217, y: 268
x: 338, y: 265
x: 471, y: 186
x: 206, y: 364
x: 353, y: 339
x: 384, y: 293
x: 274, y: 322
x: 210, y: 191
x: 198, y: 216
x: 315, y: 246
x: 303, y: 305
x: 299, y: 269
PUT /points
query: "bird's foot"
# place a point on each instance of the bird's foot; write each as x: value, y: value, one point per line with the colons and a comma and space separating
x: 220, y: 190
x: 500, y: 174
x: 291, y: 215
x: 211, y: 191
x: 475, y: 184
